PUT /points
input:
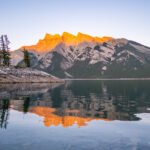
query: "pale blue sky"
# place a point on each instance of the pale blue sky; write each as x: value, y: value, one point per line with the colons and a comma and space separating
x: 26, y: 21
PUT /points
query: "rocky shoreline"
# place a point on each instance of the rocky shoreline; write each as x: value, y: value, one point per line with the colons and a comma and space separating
x: 26, y: 75
x: 18, y: 90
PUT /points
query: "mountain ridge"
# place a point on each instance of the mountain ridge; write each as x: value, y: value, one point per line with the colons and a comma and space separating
x: 85, y: 57
x: 49, y: 42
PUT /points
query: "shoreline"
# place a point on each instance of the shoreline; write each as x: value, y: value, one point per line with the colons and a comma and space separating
x: 26, y: 75
x: 109, y: 79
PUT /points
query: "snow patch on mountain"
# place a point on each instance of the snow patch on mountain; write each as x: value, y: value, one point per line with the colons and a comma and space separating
x: 68, y: 75
x: 104, y: 68
x: 125, y: 54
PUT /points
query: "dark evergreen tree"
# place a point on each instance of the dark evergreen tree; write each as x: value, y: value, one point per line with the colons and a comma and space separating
x: 1, y: 57
x: 6, y: 58
x: 26, y: 104
x: 4, y: 51
x: 26, y: 58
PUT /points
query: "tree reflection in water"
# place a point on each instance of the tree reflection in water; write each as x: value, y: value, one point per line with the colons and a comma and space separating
x: 4, y: 112
x: 77, y: 102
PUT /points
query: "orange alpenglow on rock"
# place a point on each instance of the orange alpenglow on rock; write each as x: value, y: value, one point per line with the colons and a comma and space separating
x: 50, y: 119
x: 51, y: 41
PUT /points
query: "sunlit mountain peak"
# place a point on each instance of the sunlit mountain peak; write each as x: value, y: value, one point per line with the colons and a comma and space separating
x: 49, y: 42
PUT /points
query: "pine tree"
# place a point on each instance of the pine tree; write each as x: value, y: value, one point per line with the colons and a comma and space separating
x: 1, y: 57
x: 6, y: 58
x: 26, y: 58
x: 4, y: 51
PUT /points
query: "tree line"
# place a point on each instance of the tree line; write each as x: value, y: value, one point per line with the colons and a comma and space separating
x: 5, y: 59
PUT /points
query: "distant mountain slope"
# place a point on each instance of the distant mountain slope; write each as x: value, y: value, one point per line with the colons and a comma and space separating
x: 84, y: 56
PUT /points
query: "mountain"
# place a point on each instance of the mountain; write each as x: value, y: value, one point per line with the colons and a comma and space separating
x: 51, y: 41
x: 84, y: 56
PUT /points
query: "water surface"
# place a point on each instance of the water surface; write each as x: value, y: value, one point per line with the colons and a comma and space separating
x: 77, y: 115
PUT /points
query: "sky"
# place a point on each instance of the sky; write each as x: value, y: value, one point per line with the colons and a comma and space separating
x: 27, y: 21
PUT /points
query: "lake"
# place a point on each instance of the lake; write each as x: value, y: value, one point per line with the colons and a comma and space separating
x: 77, y: 115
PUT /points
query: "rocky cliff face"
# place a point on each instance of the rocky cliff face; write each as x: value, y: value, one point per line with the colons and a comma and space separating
x: 83, y: 56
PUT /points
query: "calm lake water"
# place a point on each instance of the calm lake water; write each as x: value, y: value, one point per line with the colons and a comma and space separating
x: 77, y: 115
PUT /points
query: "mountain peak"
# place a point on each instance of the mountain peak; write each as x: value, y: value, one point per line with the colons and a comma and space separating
x: 67, y: 34
x: 49, y: 42
x: 50, y: 36
x: 68, y: 38
x: 84, y: 38
x: 47, y: 36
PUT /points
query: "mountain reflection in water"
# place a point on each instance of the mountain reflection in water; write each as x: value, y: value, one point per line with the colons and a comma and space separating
x: 76, y: 102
